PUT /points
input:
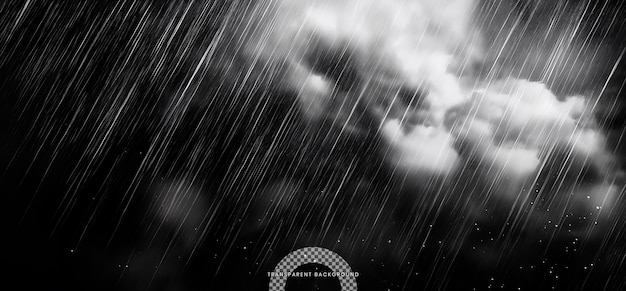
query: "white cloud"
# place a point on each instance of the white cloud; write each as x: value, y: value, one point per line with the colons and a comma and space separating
x: 423, y: 150
x: 510, y: 128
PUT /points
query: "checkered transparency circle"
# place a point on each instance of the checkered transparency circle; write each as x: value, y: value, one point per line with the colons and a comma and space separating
x: 311, y: 255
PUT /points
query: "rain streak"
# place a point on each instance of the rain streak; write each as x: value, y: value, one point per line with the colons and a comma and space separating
x: 432, y: 144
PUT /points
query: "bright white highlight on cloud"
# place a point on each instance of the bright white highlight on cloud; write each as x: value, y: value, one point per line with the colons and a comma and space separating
x: 513, y: 124
x: 424, y: 149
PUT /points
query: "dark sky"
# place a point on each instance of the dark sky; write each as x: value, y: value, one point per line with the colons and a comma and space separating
x: 136, y: 155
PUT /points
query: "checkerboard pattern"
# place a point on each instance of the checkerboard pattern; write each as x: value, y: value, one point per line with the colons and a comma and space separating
x: 309, y: 255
